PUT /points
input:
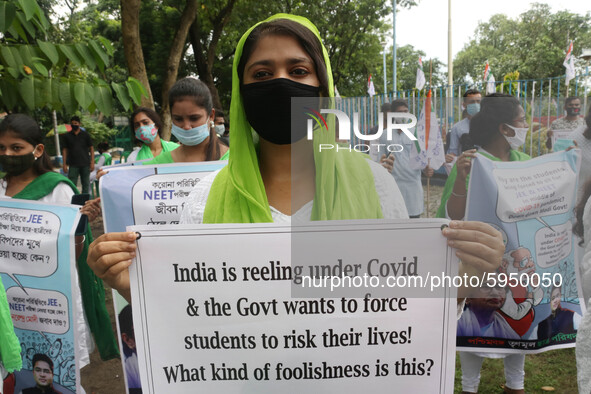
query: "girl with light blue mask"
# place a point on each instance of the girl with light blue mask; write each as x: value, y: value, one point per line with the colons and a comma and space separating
x: 192, y: 116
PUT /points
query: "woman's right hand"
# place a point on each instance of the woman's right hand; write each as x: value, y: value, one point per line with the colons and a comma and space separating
x: 92, y: 209
x: 464, y: 164
x: 100, y: 173
x: 388, y: 162
x: 109, y: 256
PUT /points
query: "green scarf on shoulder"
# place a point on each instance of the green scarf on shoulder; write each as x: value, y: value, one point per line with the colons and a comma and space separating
x: 146, y: 153
x: 345, y: 186
x: 91, y: 287
x: 10, y: 346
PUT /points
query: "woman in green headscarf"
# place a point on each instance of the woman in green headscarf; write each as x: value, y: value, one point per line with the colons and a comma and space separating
x: 285, y: 176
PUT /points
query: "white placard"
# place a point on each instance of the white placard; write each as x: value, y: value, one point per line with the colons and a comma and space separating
x: 213, y: 311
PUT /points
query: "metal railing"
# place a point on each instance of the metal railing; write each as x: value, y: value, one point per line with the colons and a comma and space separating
x: 542, y: 100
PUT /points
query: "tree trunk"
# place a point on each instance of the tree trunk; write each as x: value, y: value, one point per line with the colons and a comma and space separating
x: 203, y: 68
x: 130, y: 31
x: 204, y: 57
x: 174, y: 59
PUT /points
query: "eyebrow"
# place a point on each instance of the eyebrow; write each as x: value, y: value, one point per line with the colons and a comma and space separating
x: 290, y: 61
x: 187, y: 116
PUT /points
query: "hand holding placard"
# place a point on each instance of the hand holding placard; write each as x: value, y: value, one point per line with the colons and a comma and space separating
x: 109, y: 256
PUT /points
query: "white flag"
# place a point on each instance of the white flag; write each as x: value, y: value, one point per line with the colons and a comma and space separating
x: 336, y: 92
x: 490, y: 85
x: 569, y: 63
x: 337, y: 96
x: 370, y: 88
x: 489, y: 79
x: 420, y: 83
x: 428, y: 149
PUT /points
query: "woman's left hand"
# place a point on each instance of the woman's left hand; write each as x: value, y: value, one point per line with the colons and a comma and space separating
x: 480, y: 248
x: 478, y: 244
x: 92, y: 209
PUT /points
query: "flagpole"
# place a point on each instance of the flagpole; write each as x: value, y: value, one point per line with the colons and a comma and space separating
x: 428, y: 189
x: 450, y: 71
x: 531, y: 133
x: 394, y: 94
x: 429, y: 160
x: 385, y: 77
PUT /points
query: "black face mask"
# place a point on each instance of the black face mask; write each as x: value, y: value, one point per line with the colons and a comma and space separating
x: 74, y: 127
x: 572, y: 111
x: 15, y: 165
x: 268, y: 109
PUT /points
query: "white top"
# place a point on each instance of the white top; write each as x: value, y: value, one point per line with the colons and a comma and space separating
x: 133, y: 155
x: 62, y: 194
x: 585, y: 145
x: 456, y: 132
x: 391, y: 200
x: 407, y: 179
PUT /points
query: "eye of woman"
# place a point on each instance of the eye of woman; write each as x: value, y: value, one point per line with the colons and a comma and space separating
x: 300, y: 71
x: 261, y: 74
x: 14, y: 148
x: 520, y: 120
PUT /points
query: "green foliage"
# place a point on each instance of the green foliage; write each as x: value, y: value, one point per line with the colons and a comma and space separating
x: 37, y: 73
x: 354, y: 52
x: 99, y: 132
x: 535, y: 44
x: 407, y: 62
x: 509, y: 86
x: 352, y: 31
x: 158, y: 25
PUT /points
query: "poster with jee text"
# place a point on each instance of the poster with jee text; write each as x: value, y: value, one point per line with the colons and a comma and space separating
x: 37, y: 266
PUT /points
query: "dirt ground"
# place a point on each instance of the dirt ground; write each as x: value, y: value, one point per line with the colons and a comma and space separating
x: 106, y: 377
x: 103, y: 377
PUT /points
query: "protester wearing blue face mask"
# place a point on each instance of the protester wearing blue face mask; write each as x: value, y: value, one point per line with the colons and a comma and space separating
x: 192, y: 124
x: 471, y: 107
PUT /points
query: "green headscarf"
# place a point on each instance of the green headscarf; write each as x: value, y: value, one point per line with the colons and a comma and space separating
x: 345, y: 186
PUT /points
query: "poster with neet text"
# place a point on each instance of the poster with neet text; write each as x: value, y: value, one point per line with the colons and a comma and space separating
x: 147, y: 195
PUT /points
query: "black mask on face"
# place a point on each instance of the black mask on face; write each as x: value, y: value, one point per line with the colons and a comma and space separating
x: 570, y: 111
x: 15, y: 165
x: 268, y: 109
x: 74, y: 127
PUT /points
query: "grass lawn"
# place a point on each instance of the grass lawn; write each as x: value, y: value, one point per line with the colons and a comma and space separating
x: 556, y: 368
